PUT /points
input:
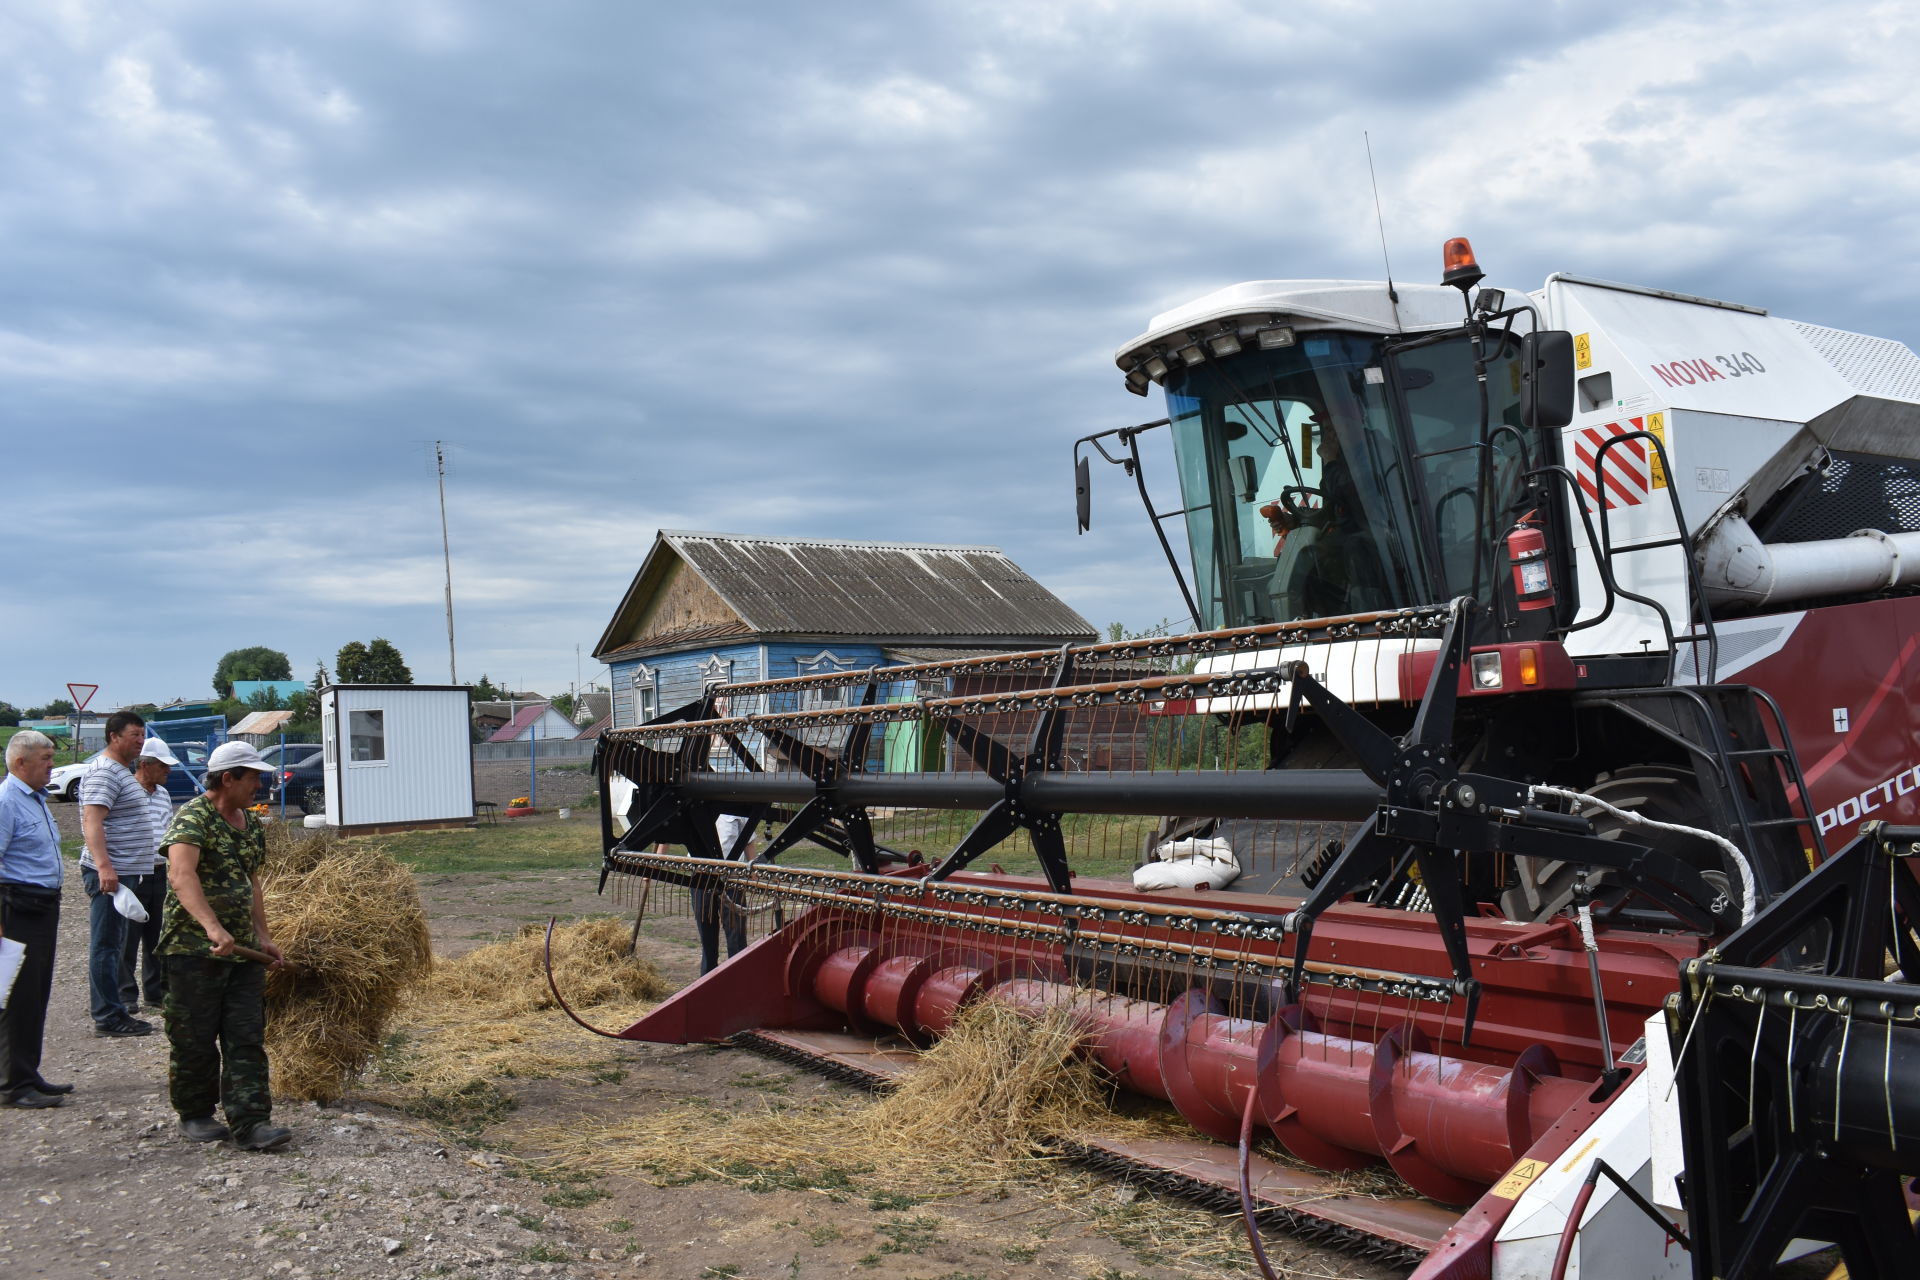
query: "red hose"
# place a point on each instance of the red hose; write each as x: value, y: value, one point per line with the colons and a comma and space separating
x: 1246, y: 1187
x: 1565, y: 1253
x: 561, y: 1000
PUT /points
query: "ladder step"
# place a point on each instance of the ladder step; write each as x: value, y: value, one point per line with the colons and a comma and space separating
x: 1781, y: 822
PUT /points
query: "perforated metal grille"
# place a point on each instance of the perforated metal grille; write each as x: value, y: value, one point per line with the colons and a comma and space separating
x: 1733, y: 648
x: 1858, y: 491
x: 1875, y: 366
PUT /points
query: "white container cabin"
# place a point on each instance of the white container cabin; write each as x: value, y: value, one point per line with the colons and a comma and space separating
x: 397, y: 755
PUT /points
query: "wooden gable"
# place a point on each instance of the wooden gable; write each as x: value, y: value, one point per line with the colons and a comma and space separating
x: 669, y: 603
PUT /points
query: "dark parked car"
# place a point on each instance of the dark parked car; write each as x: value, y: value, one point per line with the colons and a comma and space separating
x: 297, y: 769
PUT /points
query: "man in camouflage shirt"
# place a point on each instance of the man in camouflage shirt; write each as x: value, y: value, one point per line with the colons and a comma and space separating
x: 215, y: 1003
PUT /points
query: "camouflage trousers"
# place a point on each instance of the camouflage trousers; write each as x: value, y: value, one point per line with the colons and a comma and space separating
x: 216, y: 1029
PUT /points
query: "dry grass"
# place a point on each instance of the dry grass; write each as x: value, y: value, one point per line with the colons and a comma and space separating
x: 488, y: 1015
x: 507, y: 979
x: 977, y: 1110
x: 355, y: 937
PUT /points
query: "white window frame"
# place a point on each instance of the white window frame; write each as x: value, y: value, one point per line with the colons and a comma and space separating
x: 715, y: 670
x: 643, y: 695
x: 384, y: 757
x: 825, y: 662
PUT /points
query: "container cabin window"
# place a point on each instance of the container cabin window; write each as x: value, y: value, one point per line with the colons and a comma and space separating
x: 367, y: 737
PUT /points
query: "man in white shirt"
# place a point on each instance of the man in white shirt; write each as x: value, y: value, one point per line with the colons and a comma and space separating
x: 137, y: 962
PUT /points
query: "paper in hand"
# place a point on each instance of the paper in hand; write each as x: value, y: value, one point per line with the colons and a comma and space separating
x: 11, y: 955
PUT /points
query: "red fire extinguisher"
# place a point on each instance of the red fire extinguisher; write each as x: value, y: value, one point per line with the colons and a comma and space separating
x: 1527, y: 557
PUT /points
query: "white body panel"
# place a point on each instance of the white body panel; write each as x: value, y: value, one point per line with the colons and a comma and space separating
x: 1726, y: 388
x: 1616, y: 1240
x: 1357, y: 671
x: 425, y: 771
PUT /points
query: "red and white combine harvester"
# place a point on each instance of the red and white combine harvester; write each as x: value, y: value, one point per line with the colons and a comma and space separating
x: 1554, y: 702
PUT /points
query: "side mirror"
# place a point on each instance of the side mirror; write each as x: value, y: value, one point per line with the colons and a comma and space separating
x: 1246, y: 477
x: 1083, y: 493
x: 1546, y: 378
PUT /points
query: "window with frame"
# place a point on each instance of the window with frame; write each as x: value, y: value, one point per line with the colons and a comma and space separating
x: 826, y: 662
x: 367, y: 737
x: 636, y: 696
x: 716, y: 670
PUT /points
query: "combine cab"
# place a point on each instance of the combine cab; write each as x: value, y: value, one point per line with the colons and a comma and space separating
x: 1547, y: 644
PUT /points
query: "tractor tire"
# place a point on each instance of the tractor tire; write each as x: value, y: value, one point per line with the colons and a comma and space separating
x: 1663, y: 793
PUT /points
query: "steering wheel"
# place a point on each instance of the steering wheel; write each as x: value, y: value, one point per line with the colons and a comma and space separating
x: 1290, y: 502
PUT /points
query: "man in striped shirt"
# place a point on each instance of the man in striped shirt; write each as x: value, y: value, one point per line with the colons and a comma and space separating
x: 116, y: 819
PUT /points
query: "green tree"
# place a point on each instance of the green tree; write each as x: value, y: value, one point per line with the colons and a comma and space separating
x: 58, y: 707
x: 256, y: 663
x: 377, y: 662
x: 9, y: 714
x: 265, y: 700
x: 320, y: 681
x: 563, y: 703
x: 486, y: 690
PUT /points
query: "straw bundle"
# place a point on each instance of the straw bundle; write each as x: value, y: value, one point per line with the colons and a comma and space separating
x: 355, y: 937
x: 591, y: 964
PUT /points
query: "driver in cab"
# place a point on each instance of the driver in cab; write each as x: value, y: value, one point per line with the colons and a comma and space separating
x: 1315, y: 546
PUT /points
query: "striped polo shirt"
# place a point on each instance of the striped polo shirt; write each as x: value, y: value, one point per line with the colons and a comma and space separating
x: 130, y: 841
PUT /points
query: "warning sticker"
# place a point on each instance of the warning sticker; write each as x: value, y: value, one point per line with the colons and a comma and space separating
x: 1657, y: 427
x: 1518, y: 1179
x: 1583, y: 350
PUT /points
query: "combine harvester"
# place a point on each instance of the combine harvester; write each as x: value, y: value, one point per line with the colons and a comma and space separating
x: 1550, y: 644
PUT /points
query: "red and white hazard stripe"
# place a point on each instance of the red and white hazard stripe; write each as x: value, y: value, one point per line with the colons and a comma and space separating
x: 1627, y: 478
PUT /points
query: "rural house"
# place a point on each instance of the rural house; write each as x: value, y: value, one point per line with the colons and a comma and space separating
x: 712, y: 608
x: 536, y: 720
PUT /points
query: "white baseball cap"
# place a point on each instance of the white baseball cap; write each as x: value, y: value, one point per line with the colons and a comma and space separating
x: 157, y: 749
x: 236, y: 755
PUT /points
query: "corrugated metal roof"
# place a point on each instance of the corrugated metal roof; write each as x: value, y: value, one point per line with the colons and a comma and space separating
x: 262, y: 722
x: 522, y: 719
x: 808, y: 586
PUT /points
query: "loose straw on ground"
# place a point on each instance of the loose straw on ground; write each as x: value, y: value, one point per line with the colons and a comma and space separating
x: 489, y: 1015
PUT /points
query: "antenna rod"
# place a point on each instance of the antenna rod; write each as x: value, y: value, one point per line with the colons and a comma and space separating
x: 1381, y: 221
x: 446, y: 556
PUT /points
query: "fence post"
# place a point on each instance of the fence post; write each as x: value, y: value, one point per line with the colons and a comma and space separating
x: 533, y: 767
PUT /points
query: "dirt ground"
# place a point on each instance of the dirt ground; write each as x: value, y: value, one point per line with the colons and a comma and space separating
x: 105, y: 1186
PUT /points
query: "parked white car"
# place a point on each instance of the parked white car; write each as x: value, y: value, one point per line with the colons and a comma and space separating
x: 65, y: 784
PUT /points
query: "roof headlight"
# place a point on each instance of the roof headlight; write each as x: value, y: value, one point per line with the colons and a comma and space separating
x: 1226, y: 343
x: 1156, y: 368
x: 1279, y: 336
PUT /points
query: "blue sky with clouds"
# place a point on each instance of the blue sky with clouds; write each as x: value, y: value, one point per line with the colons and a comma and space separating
x: 828, y: 269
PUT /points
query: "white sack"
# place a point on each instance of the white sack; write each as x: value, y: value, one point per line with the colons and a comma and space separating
x: 1188, y: 864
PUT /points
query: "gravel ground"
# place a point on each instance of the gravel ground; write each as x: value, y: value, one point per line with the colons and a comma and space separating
x: 105, y: 1186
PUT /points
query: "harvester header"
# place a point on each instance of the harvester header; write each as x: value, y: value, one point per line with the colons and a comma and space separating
x: 1513, y: 782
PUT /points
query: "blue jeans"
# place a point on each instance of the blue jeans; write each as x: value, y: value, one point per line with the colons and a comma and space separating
x: 106, y: 949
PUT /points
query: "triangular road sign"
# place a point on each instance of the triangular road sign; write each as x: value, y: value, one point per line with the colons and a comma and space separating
x: 82, y: 694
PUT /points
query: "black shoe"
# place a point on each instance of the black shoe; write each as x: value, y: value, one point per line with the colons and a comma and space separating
x: 33, y: 1099
x: 123, y: 1027
x: 56, y: 1089
x: 203, y: 1129
x: 264, y: 1137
